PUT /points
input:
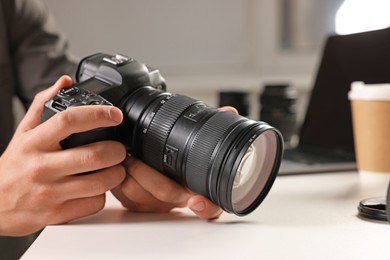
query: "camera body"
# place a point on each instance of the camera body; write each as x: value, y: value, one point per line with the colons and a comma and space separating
x: 103, y: 80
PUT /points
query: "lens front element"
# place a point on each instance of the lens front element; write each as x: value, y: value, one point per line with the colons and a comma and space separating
x: 254, y: 171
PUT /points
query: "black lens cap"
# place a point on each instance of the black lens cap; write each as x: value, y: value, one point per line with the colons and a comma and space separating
x: 388, y: 203
x: 376, y: 208
x: 373, y: 208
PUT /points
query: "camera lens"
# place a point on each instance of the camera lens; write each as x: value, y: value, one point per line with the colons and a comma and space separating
x: 278, y: 108
x: 237, y: 99
x: 254, y: 171
x: 226, y: 157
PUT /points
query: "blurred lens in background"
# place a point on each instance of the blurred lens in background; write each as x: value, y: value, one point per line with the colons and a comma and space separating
x: 278, y: 107
x: 237, y: 99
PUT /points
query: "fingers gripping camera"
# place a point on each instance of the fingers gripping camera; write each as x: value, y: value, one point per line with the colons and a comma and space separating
x: 76, y: 96
x: 228, y: 158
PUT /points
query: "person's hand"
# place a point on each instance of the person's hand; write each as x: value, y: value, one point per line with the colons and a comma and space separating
x: 39, y: 181
x: 147, y: 190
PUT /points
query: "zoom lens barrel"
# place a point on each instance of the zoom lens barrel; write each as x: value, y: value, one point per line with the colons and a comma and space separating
x: 228, y: 158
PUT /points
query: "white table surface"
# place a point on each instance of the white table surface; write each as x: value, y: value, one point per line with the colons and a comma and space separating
x: 303, y: 217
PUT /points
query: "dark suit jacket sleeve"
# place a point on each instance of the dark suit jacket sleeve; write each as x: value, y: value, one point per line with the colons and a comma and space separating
x: 33, y: 54
x: 39, y: 51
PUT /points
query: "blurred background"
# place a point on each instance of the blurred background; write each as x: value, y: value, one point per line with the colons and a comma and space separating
x: 204, y: 47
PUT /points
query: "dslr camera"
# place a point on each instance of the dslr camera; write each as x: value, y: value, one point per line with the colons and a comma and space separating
x: 227, y: 158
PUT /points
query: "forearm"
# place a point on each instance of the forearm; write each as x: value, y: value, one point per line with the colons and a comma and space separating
x: 39, y: 51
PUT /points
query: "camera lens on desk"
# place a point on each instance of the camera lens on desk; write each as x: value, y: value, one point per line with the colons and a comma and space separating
x: 237, y: 99
x: 278, y: 108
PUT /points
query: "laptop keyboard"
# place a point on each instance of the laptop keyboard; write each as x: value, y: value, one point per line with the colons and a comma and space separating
x: 312, y: 158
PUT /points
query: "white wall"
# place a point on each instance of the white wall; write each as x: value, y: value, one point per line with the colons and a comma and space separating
x: 200, y: 46
x: 173, y: 34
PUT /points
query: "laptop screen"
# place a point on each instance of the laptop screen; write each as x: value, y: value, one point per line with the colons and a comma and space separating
x: 346, y: 58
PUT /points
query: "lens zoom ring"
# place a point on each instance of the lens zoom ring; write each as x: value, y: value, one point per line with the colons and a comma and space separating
x: 160, y: 127
x: 201, y: 151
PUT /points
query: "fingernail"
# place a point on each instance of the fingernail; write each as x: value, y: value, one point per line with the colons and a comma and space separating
x: 200, y: 206
x: 115, y: 114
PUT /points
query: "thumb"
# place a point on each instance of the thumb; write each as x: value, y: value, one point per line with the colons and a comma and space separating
x: 32, y: 117
x: 204, y: 208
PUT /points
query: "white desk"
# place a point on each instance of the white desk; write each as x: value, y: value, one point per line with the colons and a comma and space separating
x: 304, y: 217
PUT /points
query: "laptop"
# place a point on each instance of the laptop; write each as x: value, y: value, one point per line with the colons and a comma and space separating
x: 326, y: 138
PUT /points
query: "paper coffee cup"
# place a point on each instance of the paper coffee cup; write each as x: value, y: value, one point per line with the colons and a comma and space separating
x: 370, y: 105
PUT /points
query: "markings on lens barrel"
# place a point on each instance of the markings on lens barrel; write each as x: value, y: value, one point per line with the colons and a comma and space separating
x: 170, y: 156
x: 252, y: 138
x: 165, y: 100
x: 196, y: 113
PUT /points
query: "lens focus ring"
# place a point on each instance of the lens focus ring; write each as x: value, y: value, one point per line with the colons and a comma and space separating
x: 160, y: 127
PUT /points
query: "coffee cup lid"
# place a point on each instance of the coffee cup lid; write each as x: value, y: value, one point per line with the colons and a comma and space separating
x: 361, y: 91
